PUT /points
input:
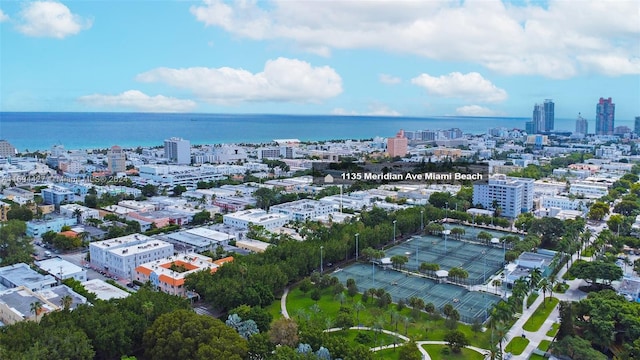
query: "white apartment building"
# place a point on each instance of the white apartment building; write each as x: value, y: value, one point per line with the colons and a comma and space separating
x: 242, y: 219
x: 564, y: 203
x: 588, y: 189
x: 120, y: 256
x: 512, y: 195
x: 62, y: 269
x: 302, y: 210
x: 177, y: 150
x: 69, y: 210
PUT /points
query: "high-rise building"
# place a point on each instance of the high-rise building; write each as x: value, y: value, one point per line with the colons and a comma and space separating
x: 6, y: 149
x: 636, y: 127
x: 549, y: 114
x: 582, y: 125
x: 605, y: 116
x: 177, y: 151
x: 511, y: 194
x: 397, y: 146
x: 537, y: 119
x: 116, y: 160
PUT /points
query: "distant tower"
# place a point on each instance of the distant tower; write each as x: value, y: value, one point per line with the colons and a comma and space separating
x: 549, y: 115
x: 582, y: 125
x: 178, y: 151
x: 605, y: 116
x: 636, y: 127
x: 537, y: 119
x: 116, y: 160
x: 397, y: 146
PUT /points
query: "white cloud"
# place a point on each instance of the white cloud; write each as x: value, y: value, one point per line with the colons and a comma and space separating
x: 137, y: 100
x: 508, y: 38
x: 3, y: 17
x: 476, y: 110
x: 281, y: 80
x: 50, y: 19
x: 389, y: 79
x: 471, y: 86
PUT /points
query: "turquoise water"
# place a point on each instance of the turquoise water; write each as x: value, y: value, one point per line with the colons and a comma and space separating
x: 39, y: 131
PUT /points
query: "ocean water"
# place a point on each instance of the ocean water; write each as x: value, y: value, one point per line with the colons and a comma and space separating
x: 39, y: 131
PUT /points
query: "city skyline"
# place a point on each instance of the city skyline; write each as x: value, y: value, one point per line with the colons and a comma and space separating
x: 437, y: 58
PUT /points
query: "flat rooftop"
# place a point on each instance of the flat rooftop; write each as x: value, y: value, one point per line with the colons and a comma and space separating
x: 55, y: 295
x: 20, y: 299
x: 56, y: 266
x: 121, y: 241
x: 256, y: 216
x: 104, y: 290
x: 22, y: 274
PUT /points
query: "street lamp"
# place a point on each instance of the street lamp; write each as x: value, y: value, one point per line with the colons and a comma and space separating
x: 446, y: 214
x: 421, y: 220
x: 446, y: 232
x: 321, y: 247
x: 484, y: 268
x: 357, y: 235
x: 394, y: 230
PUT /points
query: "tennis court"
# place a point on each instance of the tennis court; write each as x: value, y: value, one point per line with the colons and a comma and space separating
x: 480, y: 261
x: 470, y: 305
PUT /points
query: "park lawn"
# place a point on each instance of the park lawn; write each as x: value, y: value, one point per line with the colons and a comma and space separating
x: 540, y: 315
x: 382, y: 338
x: 554, y: 330
x: 388, y: 354
x: 435, y: 353
x: 531, y: 299
x: 517, y: 345
x: 275, y: 310
x: 421, y: 328
x: 544, y: 345
x: 536, y: 357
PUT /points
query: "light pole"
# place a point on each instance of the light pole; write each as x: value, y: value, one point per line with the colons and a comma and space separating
x: 357, y: 235
x: 394, y: 230
x: 446, y: 213
x: 421, y: 220
x: 484, y: 268
x: 446, y: 232
x: 321, y: 247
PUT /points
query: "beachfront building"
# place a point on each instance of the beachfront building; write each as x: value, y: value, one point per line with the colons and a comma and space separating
x: 168, y: 274
x: 120, y: 256
x: 512, y: 195
x: 6, y: 149
x: 258, y: 217
x: 116, y: 160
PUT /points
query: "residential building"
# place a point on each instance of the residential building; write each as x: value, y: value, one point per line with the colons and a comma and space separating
x: 116, y: 160
x: 549, y: 115
x: 397, y: 146
x: 605, y: 116
x: 35, y: 228
x: 62, y: 269
x: 582, y: 125
x: 255, y: 246
x: 73, y: 210
x: 103, y: 290
x: 588, y: 189
x: 564, y: 203
x: 120, y: 256
x: 6, y: 149
x: 512, y: 195
x: 15, y: 305
x: 259, y: 217
x: 56, y: 195
x: 168, y: 274
x: 199, y: 239
x: 636, y: 126
x: 21, y: 274
x: 177, y: 151
x: 303, y: 210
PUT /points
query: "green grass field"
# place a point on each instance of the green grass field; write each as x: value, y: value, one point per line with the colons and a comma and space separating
x: 377, y: 339
x: 517, y: 345
x: 554, y: 330
x: 531, y: 299
x: 540, y: 315
x: 435, y: 352
x: 544, y: 345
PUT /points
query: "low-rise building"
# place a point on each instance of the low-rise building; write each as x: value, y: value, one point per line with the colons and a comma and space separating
x: 62, y: 269
x: 256, y: 246
x: 21, y: 274
x: 168, y: 274
x: 120, y: 256
x: 16, y: 305
x: 258, y: 217
x: 75, y: 210
x: 199, y: 239
x: 35, y: 228
x: 303, y: 210
x: 103, y: 290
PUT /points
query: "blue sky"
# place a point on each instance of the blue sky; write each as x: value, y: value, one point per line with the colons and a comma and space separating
x: 409, y: 58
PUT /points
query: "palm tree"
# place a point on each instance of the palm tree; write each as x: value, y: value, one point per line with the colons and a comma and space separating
x: 496, y: 283
x: 520, y: 290
x: 457, y: 232
x: 500, y: 331
x: 78, y: 214
x: 552, y: 283
x: 534, y: 278
x: 36, y: 309
x: 544, y: 286
x: 359, y: 306
x: 66, y: 302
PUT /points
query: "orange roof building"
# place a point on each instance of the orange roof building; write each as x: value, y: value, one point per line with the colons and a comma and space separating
x: 168, y: 274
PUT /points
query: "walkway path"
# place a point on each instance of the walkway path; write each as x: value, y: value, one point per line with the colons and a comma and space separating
x: 283, y: 303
